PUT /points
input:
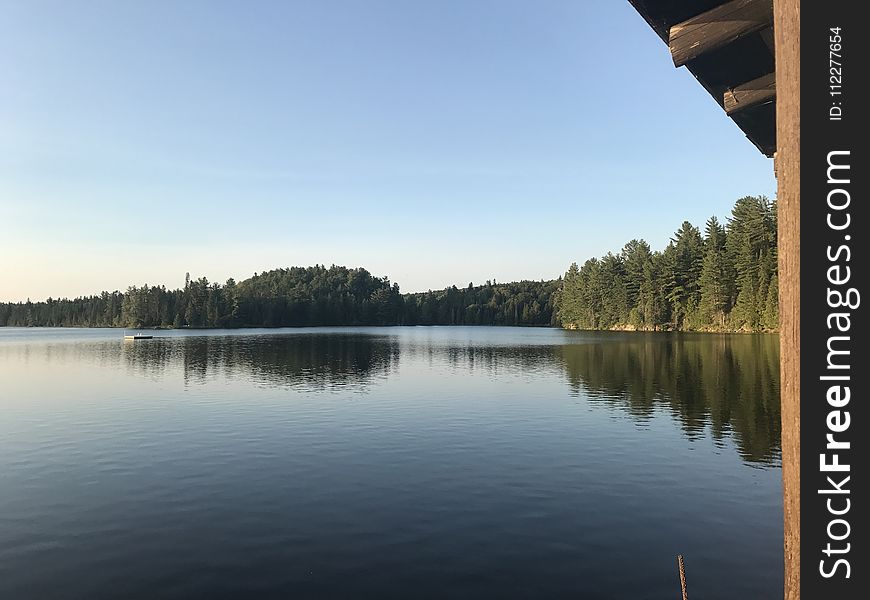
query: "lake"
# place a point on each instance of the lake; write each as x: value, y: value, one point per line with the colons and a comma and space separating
x: 397, y: 462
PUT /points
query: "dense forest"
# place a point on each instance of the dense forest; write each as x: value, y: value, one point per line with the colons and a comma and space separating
x: 722, y: 280
x: 283, y: 297
x: 294, y: 297
x: 518, y: 303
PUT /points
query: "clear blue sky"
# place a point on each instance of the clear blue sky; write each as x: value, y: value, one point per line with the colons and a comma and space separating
x: 434, y: 142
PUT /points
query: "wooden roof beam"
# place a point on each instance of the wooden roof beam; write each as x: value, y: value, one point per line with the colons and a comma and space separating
x: 751, y: 93
x: 718, y: 27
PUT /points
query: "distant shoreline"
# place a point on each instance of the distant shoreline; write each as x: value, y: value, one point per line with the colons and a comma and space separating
x: 722, y: 281
x: 617, y: 329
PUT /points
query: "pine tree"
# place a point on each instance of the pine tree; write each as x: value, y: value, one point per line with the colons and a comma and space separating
x: 713, y: 281
x: 771, y: 306
x: 685, y: 256
x: 570, y: 300
x: 751, y: 245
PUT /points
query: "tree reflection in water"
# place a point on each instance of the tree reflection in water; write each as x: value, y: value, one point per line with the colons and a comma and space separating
x: 727, y: 382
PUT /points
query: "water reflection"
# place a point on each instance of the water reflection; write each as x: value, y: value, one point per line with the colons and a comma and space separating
x: 311, y: 362
x: 729, y: 383
x: 455, y: 462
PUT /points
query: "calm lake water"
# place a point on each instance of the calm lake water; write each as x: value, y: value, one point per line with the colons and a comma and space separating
x: 388, y: 463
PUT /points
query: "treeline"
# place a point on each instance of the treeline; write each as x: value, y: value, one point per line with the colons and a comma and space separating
x: 722, y: 280
x: 297, y: 296
x: 517, y: 303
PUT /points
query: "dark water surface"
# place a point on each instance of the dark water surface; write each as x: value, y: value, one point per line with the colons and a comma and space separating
x: 388, y: 463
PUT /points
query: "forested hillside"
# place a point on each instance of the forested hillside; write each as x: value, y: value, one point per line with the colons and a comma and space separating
x: 298, y: 296
x: 722, y: 280
x: 283, y: 297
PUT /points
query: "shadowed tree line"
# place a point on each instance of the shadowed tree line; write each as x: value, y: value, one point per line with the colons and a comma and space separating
x: 297, y: 296
x: 518, y: 303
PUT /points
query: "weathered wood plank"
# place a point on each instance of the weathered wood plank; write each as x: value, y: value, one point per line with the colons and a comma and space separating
x: 749, y: 94
x: 718, y: 27
x: 787, y: 31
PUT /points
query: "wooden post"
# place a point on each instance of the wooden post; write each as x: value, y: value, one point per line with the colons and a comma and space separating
x: 682, y: 568
x: 786, y: 19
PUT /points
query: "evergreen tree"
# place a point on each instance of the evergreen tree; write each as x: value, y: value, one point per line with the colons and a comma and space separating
x: 684, y: 259
x: 751, y: 245
x: 714, y: 279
